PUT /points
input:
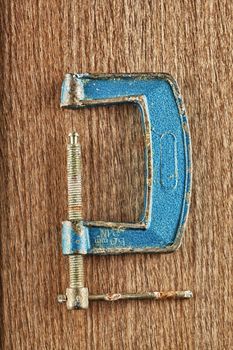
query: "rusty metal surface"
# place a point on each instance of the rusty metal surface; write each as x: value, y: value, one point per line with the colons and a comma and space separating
x: 143, y: 295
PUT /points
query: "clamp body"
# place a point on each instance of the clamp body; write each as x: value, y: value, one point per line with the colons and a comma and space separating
x: 167, y: 152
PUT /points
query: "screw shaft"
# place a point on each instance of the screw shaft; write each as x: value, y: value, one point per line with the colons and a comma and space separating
x: 74, y: 175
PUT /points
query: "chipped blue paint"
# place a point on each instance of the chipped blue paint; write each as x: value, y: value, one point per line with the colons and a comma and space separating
x: 167, y: 160
x: 75, y: 237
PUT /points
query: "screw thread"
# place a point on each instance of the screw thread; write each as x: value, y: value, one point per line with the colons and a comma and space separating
x: 74, y: 175
x: 76, y: 271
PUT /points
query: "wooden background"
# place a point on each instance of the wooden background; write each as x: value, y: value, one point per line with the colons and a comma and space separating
x: 41, y: 41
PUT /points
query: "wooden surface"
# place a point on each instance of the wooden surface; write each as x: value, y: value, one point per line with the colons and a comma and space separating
x: 41, y: 41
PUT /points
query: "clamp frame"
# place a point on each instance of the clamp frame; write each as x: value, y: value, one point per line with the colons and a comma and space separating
x: 167, y: 151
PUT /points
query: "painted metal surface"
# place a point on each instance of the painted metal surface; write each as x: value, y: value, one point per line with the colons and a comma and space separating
x: 167, y: 153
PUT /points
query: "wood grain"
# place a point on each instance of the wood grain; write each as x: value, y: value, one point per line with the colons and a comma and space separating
x: 41, y: 41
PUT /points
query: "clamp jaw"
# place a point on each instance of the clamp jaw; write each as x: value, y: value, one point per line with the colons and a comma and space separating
x: 167, y: 152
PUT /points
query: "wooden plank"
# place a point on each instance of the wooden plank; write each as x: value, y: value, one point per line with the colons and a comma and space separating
x: 41, y: 41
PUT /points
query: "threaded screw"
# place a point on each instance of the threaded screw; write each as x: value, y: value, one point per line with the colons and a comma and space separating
x: 74, y: 175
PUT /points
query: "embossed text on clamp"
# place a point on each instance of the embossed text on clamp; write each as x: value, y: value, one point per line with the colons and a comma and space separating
x: 167, y: 189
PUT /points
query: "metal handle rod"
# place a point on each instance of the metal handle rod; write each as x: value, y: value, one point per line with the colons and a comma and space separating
x: 187, y: 294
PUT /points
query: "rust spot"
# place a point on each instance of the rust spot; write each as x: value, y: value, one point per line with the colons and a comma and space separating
x: 113, y: 297
x: 187, y: 197
x: 185, y: 127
